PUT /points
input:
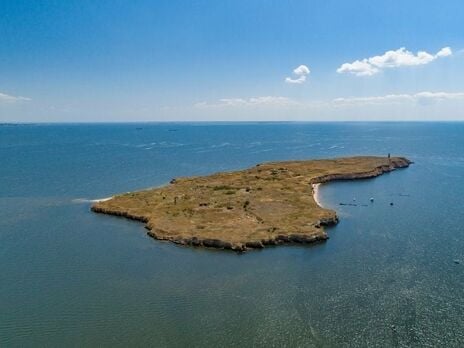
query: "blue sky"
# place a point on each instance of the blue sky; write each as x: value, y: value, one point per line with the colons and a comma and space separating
x: 81, y: 61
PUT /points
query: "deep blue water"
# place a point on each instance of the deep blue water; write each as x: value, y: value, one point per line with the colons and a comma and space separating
x: 387, y: 277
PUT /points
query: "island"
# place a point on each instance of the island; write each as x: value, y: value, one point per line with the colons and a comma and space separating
x: 269, y: 204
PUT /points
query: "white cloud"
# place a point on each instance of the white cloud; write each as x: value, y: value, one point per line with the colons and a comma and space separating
x: 387, y: 99
x: 419, y: 106
x: 359, y: 68
x: 444, y: 52
x: 421, y: 97
x: 11, y: 99
x: 269, y: 104
x: 391, y: 59
x: 300, y: 72
x: 266, y: 101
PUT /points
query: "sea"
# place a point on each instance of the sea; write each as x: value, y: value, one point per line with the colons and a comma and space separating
x: 389, y: 276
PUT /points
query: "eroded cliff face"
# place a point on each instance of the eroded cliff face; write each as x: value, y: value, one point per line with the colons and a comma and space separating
x: 270, y: 204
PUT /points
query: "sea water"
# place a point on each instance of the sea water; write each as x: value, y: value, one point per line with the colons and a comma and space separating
x: 389, y: 276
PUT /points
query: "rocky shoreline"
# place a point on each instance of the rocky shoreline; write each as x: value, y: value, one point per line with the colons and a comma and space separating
x: 395, y: 163
x: 267, y: 205
x: 220, y: 244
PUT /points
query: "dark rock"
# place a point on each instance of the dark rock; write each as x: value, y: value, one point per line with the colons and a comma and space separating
x: 195, y: 242
x: 239, y: 248
x: 300, y: 238
x: 328, y: 221
x: 254, y: 245
x: 216, y: 243
x: 283, y: 238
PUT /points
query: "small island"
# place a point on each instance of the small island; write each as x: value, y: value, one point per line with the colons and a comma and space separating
x: 269, y: 204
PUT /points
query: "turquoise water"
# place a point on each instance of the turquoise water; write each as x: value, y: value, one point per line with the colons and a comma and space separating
x: 387, y: 277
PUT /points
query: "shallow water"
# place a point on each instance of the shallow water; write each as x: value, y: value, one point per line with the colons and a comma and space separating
x: 386, y: 277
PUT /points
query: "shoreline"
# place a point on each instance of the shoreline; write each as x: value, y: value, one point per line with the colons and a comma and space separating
x: 98, y: 200
x: 316, y: 196
x: 85, y: 200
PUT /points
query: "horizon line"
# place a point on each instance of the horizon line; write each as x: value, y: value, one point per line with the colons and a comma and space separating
x: 12, y: 123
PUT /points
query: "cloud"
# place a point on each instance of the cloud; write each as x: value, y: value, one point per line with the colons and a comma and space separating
x: 300, y: 72
x: 267, y: 101
x: 421, y: 98
x: 280, y: 103
x: 391, y: 59
x: 444, y: 52
x: 6, y: 98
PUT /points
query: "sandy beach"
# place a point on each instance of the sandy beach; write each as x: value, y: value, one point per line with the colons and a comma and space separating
x: 85, y: 200
x: 316, y: 194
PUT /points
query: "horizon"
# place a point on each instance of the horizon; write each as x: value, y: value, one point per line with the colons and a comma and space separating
x: 188, y: 122
x: 258, y: 61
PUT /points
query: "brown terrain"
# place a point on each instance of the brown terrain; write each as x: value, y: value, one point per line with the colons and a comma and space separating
x: 269, y: 204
